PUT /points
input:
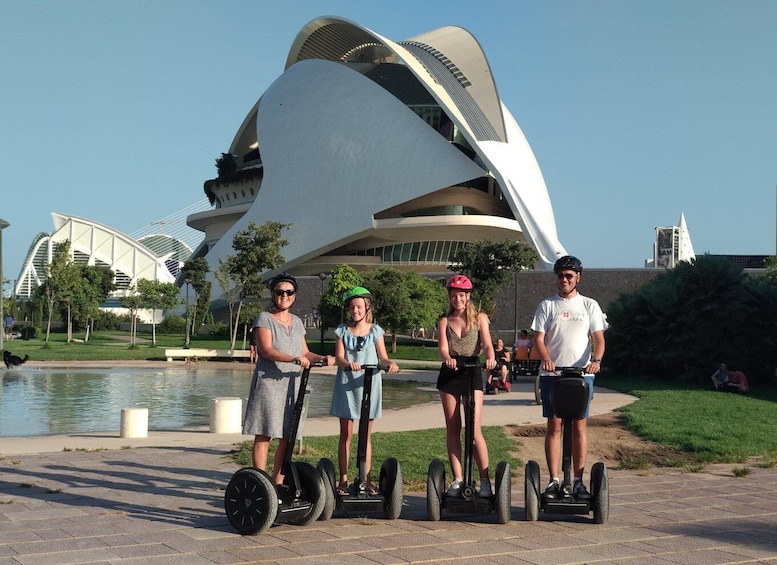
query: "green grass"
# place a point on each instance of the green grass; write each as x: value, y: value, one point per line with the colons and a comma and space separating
x: 714, y: 427
x: 414, y: 451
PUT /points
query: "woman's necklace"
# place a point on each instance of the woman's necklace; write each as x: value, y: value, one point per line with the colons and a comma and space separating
x: 277, y: 316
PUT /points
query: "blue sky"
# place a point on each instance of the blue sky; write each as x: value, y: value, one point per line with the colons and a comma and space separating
x: 636, y: 111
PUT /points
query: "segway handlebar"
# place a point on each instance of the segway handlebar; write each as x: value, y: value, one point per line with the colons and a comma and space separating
x: 312, y: 363
x: 377, y: 366
x: 570, y: 371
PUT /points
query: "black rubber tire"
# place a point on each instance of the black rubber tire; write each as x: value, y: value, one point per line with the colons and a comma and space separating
x: 537, y: 392
x: 311, y: 490
x: 532, y: 491
x: 600, y: 492
x: 503, y: 492
x: 327, y: 471
x: 250, y: 501
x: 391, y: 488
x: 435, y: 489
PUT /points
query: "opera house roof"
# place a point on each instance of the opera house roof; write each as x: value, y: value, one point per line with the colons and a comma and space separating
x: 380, y: 152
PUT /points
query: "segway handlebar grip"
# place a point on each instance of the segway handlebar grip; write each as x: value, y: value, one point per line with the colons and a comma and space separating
x: 376, y: 366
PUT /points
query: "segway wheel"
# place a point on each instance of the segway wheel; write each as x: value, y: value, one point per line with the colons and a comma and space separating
x: 537, y: 392
x: 250, y: 501
x: 391, y: 488
x: 532, y: 491
x: 503, y: 492
x: 327, y: 471
x: 435, y: 489
x: 311, y: 490
x: 600, y: 492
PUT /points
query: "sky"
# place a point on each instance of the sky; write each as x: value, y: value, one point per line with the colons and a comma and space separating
x: 637, y: 112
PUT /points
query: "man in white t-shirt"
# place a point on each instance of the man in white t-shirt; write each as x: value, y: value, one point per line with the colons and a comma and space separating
x: 564, y: 325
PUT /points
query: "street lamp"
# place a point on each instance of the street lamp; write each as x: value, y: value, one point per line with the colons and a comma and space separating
x: 186, y: 343
x: 322, y: 276
x: 3, y: 225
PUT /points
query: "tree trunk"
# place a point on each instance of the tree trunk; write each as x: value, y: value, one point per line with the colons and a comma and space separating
x: 234, y: 331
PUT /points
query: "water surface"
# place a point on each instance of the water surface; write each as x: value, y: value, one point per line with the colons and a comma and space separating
x: 37, y: 401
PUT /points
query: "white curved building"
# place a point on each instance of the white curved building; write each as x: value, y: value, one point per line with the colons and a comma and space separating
x: 92, y: 243
x: 380, y: 153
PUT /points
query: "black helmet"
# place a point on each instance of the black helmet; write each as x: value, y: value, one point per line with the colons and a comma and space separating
x: 281, y: 277
x: 568, y: 263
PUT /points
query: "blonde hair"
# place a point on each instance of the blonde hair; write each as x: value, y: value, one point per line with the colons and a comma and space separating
x: 470, y: 313
x: 367, y: 306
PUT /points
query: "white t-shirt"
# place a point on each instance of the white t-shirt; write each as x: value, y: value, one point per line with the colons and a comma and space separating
x: 568, y: 324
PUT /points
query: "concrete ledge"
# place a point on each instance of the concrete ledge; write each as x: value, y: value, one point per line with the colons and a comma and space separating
x: 181, y: 353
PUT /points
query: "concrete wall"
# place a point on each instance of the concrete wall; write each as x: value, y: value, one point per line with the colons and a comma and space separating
x: 605, y: 285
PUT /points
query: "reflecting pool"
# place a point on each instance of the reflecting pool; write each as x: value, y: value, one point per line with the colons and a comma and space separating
x: 37, y: 402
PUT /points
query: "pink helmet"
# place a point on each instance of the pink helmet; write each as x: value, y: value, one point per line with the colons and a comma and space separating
x: 459, y: 282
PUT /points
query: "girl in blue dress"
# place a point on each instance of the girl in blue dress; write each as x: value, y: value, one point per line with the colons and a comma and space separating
x: 359, y: 342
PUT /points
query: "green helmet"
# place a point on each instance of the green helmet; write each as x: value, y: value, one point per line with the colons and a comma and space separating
x: 355, y: 292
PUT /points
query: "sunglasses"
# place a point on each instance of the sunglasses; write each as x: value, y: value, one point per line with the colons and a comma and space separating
x: 286, y: 292
x: 360, y: 343
x: 568, y: 276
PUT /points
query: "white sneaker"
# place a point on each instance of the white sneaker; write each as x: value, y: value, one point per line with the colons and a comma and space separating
x: 455, y: 489
x: 485, y: 488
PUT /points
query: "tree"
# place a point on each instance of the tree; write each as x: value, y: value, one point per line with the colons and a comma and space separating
x: 692, y: 317
x: 392, y: 301
x: 97, y: 284
x: 60, y: 283
x: 257, y: 249
x: 770, y: 263
x: 492, y: 265
x: 230, y: 288
x: 196, y: 271
x: 155, y: 294
x: 132, y: 302
x: 428, y: 300
x: 342, y: 279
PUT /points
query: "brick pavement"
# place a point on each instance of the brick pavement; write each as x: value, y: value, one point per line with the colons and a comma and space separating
x: 164, y: 505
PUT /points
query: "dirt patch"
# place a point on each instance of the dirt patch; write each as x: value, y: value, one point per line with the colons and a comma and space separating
x: 608, y: 441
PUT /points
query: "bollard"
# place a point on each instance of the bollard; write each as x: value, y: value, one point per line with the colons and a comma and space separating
x: 134, y: 422
x: 226, y: 415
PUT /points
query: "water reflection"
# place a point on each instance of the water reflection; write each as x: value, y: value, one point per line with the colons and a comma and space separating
x: 66, y: 401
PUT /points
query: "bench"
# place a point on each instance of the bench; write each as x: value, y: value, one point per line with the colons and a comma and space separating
x: 182, y: 353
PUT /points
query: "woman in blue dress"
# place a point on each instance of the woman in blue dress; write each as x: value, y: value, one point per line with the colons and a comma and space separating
x: 359, y: 342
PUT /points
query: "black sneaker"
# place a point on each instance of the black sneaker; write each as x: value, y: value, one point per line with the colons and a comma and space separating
x: 552, y: 492
x: 579, y: 491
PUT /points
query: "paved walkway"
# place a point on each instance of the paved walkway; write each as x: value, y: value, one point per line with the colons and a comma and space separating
x: 159, y: 500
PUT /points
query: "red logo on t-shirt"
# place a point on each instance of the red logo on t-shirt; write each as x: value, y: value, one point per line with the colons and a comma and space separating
x: 565, y: 315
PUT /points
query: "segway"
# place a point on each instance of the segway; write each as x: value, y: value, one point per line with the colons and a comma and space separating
x: 569, y: 400
x: 468, y: 501
x: 390, y: 495
x: 253, y: 503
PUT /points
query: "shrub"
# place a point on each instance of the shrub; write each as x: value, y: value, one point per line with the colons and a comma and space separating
x: 174, y: 324
x: 105, y: 320
x: 28, y: 332
x: 219, y: 329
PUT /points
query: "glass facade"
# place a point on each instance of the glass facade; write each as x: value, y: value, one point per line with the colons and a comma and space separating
x: 415, y: 253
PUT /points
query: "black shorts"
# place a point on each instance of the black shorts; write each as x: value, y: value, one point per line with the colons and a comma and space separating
x: 456, y: 382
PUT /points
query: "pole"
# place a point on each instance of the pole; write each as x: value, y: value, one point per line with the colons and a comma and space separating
x: 186, y: 343
x: 515, y: 325
x: 321, y: 276
x: 3, y: 225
